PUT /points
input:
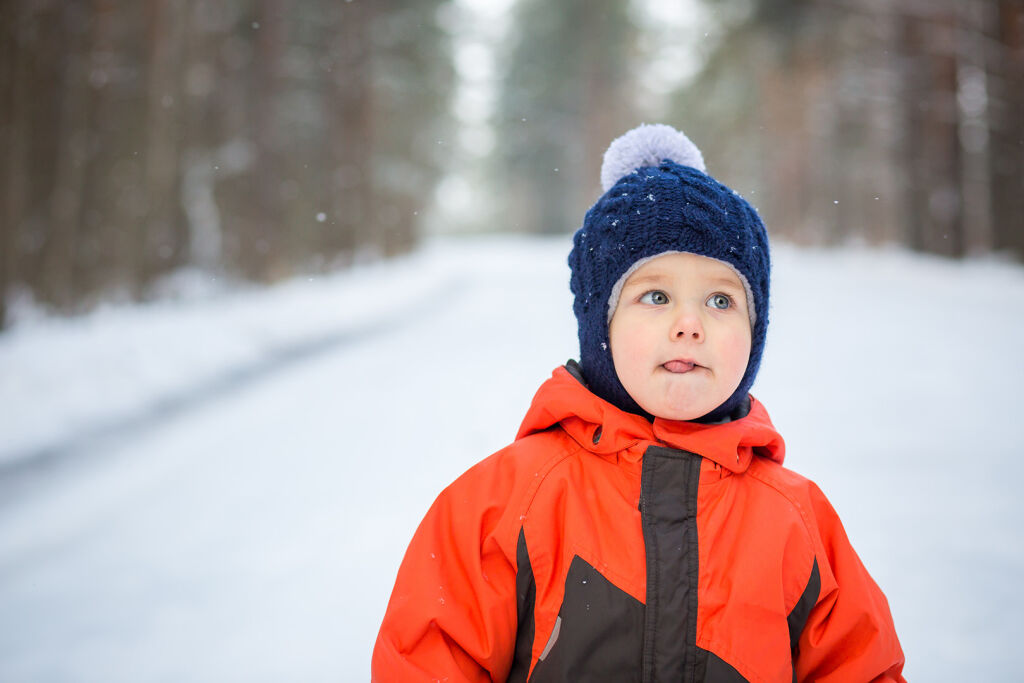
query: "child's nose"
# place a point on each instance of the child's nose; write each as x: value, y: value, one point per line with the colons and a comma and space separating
x: 688, y: 326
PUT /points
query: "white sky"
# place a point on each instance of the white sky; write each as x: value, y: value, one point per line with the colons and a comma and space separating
x: 678, y: 33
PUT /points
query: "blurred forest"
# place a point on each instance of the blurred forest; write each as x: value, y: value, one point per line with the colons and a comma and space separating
x: 884, y: 121
x: 257, y: 139
x: 253, y: 138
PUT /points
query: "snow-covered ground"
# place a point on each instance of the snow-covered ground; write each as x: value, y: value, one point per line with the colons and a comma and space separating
x: 222, y: 488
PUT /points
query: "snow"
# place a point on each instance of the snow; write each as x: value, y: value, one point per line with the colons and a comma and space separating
x: 222, y: 487
x: 138, y: 358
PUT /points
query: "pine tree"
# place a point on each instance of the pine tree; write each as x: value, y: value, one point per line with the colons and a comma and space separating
x: 566, y: 92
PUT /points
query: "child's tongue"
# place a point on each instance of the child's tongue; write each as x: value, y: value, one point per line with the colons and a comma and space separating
x: 678, y: 366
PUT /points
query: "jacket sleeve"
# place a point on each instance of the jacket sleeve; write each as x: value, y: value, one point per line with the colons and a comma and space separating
x: 452, y: 613
x: 849, y: 633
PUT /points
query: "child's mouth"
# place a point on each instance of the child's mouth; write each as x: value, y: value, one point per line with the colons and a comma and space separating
x: 679, y: 365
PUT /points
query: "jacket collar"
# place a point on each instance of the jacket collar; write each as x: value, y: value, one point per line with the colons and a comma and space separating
x: 601, y: 428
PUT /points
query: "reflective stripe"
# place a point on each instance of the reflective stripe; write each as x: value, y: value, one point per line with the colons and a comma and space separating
x: 597, y: 634
x: 552, y: 639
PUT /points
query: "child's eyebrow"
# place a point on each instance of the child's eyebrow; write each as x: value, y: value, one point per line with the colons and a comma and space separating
x: 727, y: 282
x: 657, y: 279
x: 645, y: 280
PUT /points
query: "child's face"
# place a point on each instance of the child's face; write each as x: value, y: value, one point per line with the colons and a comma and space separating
x: 680, y: 335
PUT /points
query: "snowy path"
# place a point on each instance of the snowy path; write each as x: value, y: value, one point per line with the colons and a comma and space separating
x: 254, y: 534
x: 160, y: 406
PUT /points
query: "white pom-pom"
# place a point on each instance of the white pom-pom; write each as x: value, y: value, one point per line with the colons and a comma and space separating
x: 647, y: 145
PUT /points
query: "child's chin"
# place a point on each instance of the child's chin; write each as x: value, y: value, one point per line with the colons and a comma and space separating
x: 678, y: 411
x: 681, y: 406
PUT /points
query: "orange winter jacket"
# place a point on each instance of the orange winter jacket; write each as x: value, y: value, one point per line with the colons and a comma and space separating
x: 602, y: 546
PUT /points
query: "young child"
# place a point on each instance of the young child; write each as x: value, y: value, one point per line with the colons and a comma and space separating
x: 641, y: 527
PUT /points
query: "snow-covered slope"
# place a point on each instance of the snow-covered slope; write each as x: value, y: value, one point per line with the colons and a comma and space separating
x: 222, y: 488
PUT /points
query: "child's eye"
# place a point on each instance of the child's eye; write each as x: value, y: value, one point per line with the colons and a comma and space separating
x: 655, y: 297
x: 720, y: 301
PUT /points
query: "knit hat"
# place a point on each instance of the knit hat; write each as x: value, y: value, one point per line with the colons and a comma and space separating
x: 658, y: 199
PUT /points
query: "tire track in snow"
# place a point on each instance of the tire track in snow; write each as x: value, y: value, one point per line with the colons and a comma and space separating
x: 24, y: 471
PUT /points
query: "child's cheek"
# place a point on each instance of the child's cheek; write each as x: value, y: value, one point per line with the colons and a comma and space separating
x: 736, y: 349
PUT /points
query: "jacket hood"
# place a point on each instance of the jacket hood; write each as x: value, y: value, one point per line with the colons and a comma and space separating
x: 601, y: 428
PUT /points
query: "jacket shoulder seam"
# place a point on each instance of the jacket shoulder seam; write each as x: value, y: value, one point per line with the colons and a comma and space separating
x: 806, y: 517
x: 790, y: 497
x: 542, y: 473
x: 545, y: 466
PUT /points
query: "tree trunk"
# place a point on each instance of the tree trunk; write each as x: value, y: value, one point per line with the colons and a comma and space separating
x: 109, y: 240
x: 932, y: 134
x: 203, y: 129
x: 160, y: 241
x: 262, y: 255
x: 350, y: 132
x: 1007, y: 129
x: 12, y: 138
x: 73, y: 138
x: 978, y: 18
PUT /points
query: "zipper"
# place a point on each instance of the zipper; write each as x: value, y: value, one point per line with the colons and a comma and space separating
x: 668, y: 490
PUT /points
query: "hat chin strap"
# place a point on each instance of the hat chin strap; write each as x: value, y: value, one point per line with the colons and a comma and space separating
x: 616, y: 293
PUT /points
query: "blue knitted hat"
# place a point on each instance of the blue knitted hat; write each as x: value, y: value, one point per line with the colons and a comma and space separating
x: 657, y: 200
